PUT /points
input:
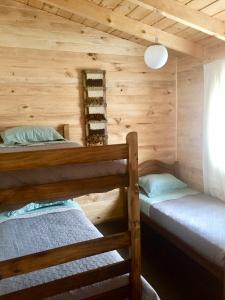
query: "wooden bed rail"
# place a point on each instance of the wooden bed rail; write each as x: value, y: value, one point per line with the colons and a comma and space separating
x: 56, y: 157
x: 218, y: 272
x: 17, y: 196
x: 155, y: 166
x: 134, y: 217
x: 72, y: 282
x: 61, y: 255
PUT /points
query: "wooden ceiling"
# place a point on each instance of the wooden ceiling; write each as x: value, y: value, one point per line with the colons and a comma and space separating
x: 140, y: 20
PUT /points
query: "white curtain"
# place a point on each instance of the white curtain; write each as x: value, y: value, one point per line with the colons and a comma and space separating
x: 214, y: 129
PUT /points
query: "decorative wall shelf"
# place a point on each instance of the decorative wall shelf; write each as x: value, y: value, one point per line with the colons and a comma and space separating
x: 95, y: 107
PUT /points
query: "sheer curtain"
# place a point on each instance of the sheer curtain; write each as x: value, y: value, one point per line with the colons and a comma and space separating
x: 214, y: 129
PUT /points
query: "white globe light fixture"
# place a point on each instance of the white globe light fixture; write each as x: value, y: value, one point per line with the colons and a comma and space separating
x: 156, y: 56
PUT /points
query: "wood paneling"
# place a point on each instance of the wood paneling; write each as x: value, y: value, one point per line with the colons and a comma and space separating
x: 185, y: 15
x: 190, y: 119
x: 41, y: 56
x: 112, y: 19
x: 101, y: 207
x: 146, y: 16
x: 31, y: 28
x: 44, y: 86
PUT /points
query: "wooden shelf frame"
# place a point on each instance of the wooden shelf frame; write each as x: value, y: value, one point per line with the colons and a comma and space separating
x: 100, y: 136
x: 131, y: 238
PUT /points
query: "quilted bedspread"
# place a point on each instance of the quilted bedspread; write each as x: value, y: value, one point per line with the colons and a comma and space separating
x: 24, y: 236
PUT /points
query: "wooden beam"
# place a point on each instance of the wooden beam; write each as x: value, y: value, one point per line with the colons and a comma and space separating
x: 31, y: 159
x: 134, y: 218
x: 117, y: 21
x: 62, y: 255
x: 185, y: 15
x: 16, y: 197
x: 76, y: 281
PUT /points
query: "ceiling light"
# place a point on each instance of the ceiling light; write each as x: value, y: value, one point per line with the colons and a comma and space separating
x: 156, y: 56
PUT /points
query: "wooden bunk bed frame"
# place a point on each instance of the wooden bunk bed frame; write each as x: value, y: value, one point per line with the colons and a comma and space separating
x: 16, y: 197
x: 157, y: 167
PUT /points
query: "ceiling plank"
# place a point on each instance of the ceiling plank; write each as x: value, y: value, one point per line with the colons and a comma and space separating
x: 117, y: 21
x: 185, y: 15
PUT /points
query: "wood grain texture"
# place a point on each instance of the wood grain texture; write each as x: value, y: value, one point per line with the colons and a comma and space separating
x: 19, y: 196
x: 212, y: 8
x: 39, y: 86
x: 190, y: 120
x: 70, y: 283
x: 134, y: 217
x: 187, y: 16
x: 44, y: 259
x: 101, y: 207
x: 112, y: 19
x: 156, y: 167
x: 29, y: 159
x: 41, y: 260
x: 38, y: 32
x: 41, y: 57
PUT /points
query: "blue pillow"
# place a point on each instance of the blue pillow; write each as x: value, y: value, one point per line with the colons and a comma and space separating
x: 34, y: 206
x: 159, y: 184
x: 26, y: 135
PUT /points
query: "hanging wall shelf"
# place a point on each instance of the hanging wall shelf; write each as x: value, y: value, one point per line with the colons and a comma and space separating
x: 95, y: 107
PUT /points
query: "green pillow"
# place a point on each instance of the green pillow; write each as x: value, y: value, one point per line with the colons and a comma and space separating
x: 25, y: 135
x: 159, y: 184
x: 34, y: 206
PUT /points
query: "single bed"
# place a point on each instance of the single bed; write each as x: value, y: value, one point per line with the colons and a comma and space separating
x: 193, y: 221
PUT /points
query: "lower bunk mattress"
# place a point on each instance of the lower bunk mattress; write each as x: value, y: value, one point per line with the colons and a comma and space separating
x: 195, y: 218
x: 23, y: 234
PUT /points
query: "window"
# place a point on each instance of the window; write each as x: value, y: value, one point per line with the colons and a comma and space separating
x: 214, y: 129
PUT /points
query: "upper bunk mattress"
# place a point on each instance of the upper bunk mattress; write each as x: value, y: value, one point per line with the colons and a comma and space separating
x: 58, y: 173
x: 23, y: 236
x: 197, y: 219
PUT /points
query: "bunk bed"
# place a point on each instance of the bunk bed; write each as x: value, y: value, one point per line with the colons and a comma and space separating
x: 121, y: 278
x: 190, y: 220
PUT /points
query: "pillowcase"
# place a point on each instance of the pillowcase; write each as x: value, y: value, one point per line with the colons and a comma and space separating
x: 34, y: 206
x: 25, y: 135
x: 159, y: 184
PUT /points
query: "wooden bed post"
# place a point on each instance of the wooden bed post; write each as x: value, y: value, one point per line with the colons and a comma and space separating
x: 223, y: 283
x: 134, y: 217
x: 17, y: 196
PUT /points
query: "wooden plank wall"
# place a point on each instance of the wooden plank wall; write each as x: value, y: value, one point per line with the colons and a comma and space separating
x: 41, y: 57
x: 190, y: 88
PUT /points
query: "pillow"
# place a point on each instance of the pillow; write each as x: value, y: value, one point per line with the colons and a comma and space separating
x: 159, y: 184
x: 34, y: 206
x: 30, y: 134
